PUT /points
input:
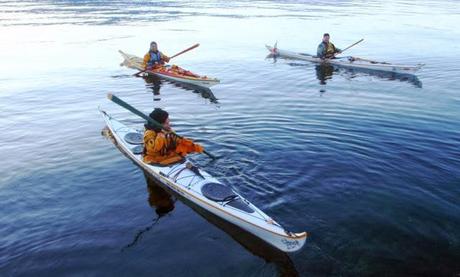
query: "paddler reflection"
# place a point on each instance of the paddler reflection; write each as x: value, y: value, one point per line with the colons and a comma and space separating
x: 324, y: 72
x: 160, y: 200
x: 154, y: 83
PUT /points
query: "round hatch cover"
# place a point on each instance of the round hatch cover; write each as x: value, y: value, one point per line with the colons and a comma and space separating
x: 137, y: 149
x: 134, y: 138
x: 216, y: 192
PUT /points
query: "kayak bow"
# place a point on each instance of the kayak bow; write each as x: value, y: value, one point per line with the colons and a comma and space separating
x: 206, y: 191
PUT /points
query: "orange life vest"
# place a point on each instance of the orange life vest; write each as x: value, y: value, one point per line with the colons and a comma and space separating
x: 166, y: 148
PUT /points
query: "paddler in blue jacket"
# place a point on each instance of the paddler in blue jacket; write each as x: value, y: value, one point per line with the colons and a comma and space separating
x: 154, y: 58
x: 326, y: 49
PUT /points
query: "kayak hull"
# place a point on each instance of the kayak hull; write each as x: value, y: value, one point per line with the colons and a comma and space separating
x: 356, y: 63
x: 135, y: 62
x: 190, y: 186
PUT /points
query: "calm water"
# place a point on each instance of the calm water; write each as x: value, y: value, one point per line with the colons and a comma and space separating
x: 368, y: 164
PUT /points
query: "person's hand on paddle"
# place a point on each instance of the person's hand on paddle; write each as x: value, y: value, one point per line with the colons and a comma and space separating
x: 166, y: 59
x: 199, y: 148
x: 185, y: 146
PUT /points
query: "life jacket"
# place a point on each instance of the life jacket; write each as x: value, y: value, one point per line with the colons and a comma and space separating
x: 166, y: 148
x: 330, y: 50
x: 155, y: 58
x: 159, y: 148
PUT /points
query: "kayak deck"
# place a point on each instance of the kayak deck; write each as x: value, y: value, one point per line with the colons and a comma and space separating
x: 350, y: 62
x: 206, y: 191
x: 172, y: 73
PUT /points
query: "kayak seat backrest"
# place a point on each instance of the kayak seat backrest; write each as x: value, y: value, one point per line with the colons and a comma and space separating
x: 217, y: 192
x: 134, y: 138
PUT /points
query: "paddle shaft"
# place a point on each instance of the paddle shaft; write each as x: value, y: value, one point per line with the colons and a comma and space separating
x: 178, y: 54
x: 351, y: 46
x: 345, y: 49
x: 135, y: 111
x: 186, y: 50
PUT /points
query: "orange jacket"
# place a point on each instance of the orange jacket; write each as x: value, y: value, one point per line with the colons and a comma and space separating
x: 167, y: 148
x: 163, y: 59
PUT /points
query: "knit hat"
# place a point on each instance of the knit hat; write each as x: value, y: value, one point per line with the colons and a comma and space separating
x: 159, y: 115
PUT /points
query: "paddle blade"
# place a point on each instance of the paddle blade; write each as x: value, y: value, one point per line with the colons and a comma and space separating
x: 127, y: 106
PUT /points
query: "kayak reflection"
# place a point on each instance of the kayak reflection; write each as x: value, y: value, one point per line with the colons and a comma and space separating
x: 325, y: 72
x: 161, y: 198
x: 154, y: 82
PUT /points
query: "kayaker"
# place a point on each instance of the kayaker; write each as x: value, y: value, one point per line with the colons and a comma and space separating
x: 326, y: 49
x: 154, y: 57
x: 164, y: 147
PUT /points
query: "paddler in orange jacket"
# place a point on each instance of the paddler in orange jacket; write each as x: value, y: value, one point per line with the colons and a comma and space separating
x: 163, y: 147
x: 154, y: 58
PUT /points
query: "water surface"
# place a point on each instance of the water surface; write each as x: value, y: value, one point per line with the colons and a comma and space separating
x: 367, y: 163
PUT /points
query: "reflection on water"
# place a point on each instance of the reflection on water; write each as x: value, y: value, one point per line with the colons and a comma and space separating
x: 325, y: 72
x: 159, y: 199
x: 154, y: 83
x: 379, y: 150
x: 162, y: 200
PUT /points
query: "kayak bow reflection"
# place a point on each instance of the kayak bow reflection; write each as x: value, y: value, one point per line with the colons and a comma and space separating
x: 160, y: 197
x: 154, y: 82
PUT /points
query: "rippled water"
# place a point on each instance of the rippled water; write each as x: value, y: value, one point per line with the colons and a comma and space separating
x: 367, y: 163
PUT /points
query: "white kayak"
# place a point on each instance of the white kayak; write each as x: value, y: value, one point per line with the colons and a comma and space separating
x: 169, y: 73
x: 350, y: 62
x: 206, y: 191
